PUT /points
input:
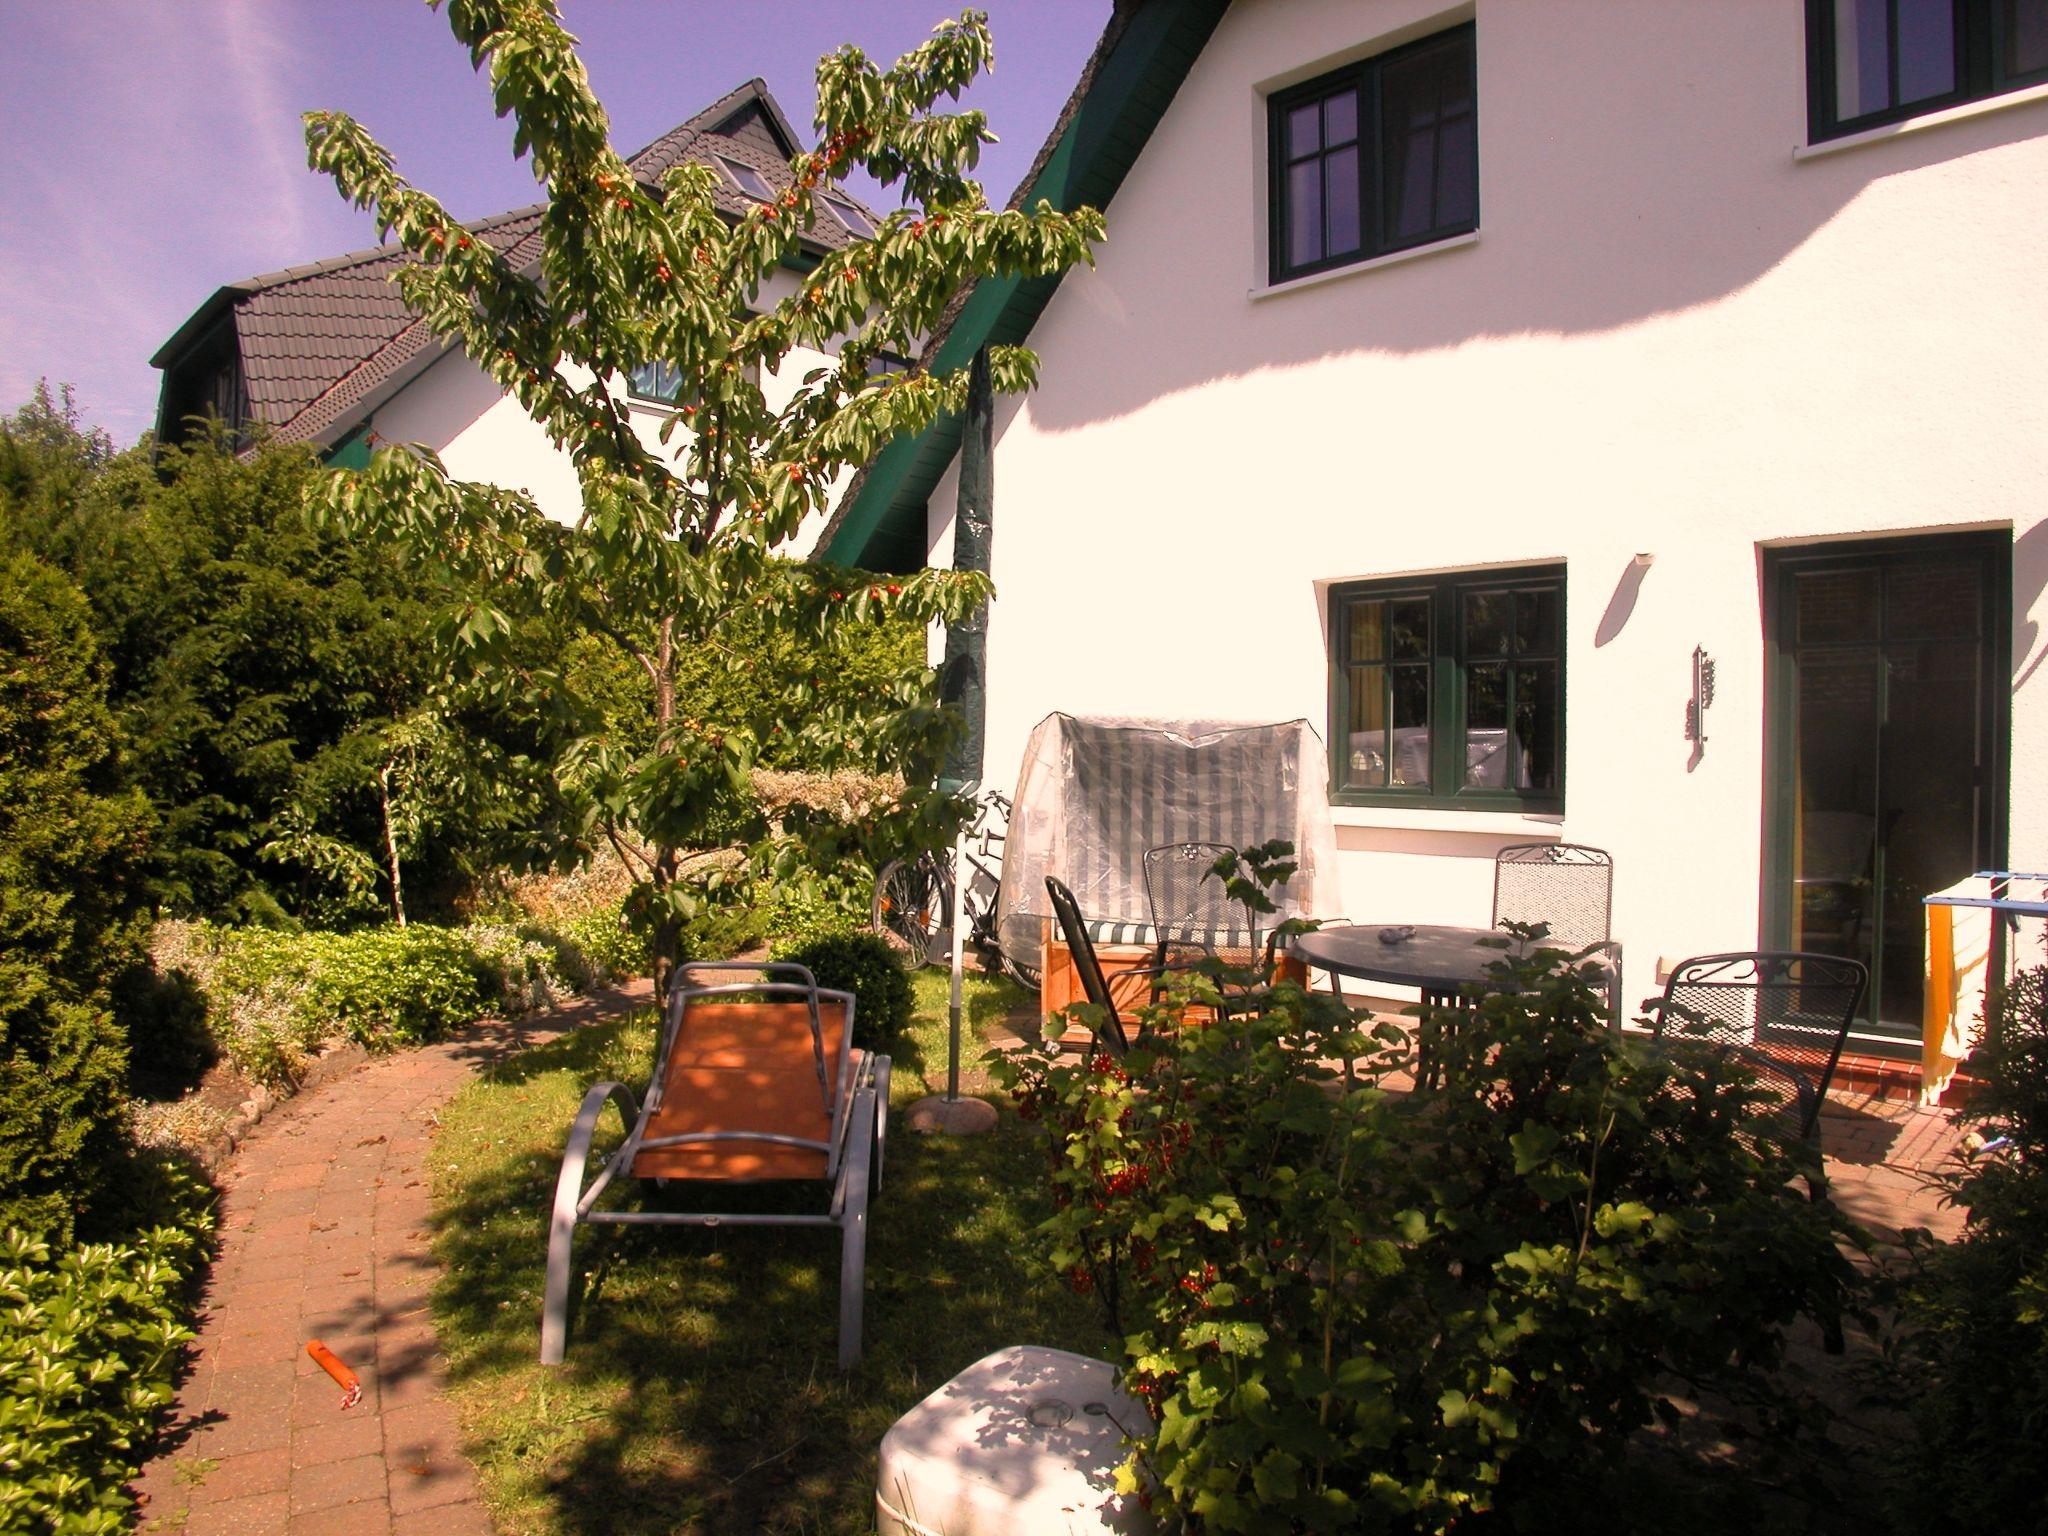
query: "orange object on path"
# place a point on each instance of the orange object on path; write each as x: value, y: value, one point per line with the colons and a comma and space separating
x: 328, y: 1361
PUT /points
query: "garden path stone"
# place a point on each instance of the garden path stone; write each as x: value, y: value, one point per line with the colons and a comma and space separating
x: 324, y: 1232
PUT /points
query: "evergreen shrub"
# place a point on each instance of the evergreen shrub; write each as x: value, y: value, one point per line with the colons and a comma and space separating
x: 71, y: 844
x: 90, y: 1339
x: 865, y: 965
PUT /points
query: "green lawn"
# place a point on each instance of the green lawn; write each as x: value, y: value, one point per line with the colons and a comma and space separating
x: 700, y: 1392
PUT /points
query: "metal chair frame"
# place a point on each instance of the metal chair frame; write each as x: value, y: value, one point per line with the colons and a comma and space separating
x: 854, y: 1091
x: 1191, y: 918
x: 1111, y: 1035
x: 1783, y: 1042
x: 1579, y: 861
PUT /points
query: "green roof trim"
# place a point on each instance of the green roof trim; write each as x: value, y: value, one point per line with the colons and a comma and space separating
x: 884, y: 528
x: 352, y: 452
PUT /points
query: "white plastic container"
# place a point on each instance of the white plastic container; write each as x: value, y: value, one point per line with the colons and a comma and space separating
x: 1026, y: 1440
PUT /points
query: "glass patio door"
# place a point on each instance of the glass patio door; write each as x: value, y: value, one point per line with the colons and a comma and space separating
x: 1887, y: 767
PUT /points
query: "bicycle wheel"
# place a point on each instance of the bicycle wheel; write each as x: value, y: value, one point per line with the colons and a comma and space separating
x: 1027, y: 975
x: 912, y: 908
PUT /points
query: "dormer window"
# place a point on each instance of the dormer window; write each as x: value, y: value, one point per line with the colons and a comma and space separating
x: 1375, y: 157
x: 748, y: 180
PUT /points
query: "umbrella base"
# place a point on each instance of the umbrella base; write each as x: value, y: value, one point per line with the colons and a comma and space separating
x: 951, y: 1117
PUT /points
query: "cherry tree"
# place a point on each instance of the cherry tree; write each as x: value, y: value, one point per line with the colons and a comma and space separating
x: 679, y: 538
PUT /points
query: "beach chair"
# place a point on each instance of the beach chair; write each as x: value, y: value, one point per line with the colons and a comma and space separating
x: 755, y: 1080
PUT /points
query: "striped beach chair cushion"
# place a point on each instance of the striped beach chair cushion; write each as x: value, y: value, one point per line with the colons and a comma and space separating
x: 1110, y: 930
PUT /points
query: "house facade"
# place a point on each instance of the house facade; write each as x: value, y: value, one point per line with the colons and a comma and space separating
x: 1610, y: 421
x: 327, y: 354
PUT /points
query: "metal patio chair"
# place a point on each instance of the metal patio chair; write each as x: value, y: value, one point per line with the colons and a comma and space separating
x: 754, y: 1081
x: 1569, y: 888
x: 1111, y: 1035
x: 1785, y: 1013
x: 1193, y: 915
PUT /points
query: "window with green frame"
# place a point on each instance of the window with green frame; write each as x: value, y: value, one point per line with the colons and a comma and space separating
x: 1448, y: 691
x: 1873, y: 62
x: 1375, y: 157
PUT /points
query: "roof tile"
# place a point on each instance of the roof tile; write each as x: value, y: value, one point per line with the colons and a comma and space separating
x: 318, y: 339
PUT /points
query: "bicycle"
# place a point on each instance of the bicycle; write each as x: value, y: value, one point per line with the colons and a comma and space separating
x: 914, y: 899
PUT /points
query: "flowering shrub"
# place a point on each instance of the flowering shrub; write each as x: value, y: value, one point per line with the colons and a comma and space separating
x: 1350, y: 1307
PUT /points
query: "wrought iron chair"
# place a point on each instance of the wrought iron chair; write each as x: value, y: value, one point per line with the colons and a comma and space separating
x: 1111, y: 1035
x: 1569, y: 888
x: 1193, y: 915
x: 1786, y: 1014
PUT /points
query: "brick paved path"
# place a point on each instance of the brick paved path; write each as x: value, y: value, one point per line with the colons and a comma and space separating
x: 324, y: 1235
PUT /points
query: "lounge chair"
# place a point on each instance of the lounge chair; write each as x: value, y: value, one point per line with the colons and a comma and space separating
x: 755, y: 1081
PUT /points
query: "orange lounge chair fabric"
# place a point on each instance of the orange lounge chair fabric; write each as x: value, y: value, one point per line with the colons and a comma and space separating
x: 739, y: 1067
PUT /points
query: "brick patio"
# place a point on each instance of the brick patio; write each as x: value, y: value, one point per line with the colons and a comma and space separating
x: 323, y: 1235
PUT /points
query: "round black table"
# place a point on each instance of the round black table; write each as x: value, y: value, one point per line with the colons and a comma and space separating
x: 1439, y: 961
x: 1442, y: 962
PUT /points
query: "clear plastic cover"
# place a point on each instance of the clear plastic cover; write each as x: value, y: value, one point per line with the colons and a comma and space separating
x: 1095, y: 792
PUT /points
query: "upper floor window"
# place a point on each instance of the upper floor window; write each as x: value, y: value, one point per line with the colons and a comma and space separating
x: 1449, y: 691
x: 1874, y: 62
x: 1375, y: 157
x: 662, y: 382
x: 656, y: 381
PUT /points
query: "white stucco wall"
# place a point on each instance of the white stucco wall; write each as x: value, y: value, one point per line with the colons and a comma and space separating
x: 482, y: 434
x: 1669, y: 336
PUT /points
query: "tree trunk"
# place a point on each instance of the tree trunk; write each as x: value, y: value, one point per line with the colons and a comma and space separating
x: 390, y: 843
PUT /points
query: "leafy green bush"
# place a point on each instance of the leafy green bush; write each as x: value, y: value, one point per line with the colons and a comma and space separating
x: 274, y: 998
x: 865, y: 965
x: 397, y: 986
x: 608, y: 945
x: 719, y: 932
x: 1350, y: 1309
x: 1976, y: 1311
x: 71, y: 844
x: 795, y: 916
x: 89, y: 1344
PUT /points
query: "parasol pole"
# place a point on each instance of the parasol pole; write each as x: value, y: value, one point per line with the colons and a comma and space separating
x: 964, y: 686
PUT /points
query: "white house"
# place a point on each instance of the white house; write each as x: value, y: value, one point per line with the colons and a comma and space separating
x: 328, y: 354
x: 1460, y: 376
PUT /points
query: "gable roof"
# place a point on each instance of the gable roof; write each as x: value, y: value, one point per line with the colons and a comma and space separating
x: 1125, y: 88
x: 322, y: 345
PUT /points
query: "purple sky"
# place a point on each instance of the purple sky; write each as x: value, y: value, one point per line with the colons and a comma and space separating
x: 150, y: 151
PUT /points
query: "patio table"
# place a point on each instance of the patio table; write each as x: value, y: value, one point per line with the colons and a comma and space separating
x: 1440, y: 961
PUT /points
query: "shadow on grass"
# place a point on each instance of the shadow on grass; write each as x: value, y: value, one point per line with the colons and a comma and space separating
x: 701, y: 1390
